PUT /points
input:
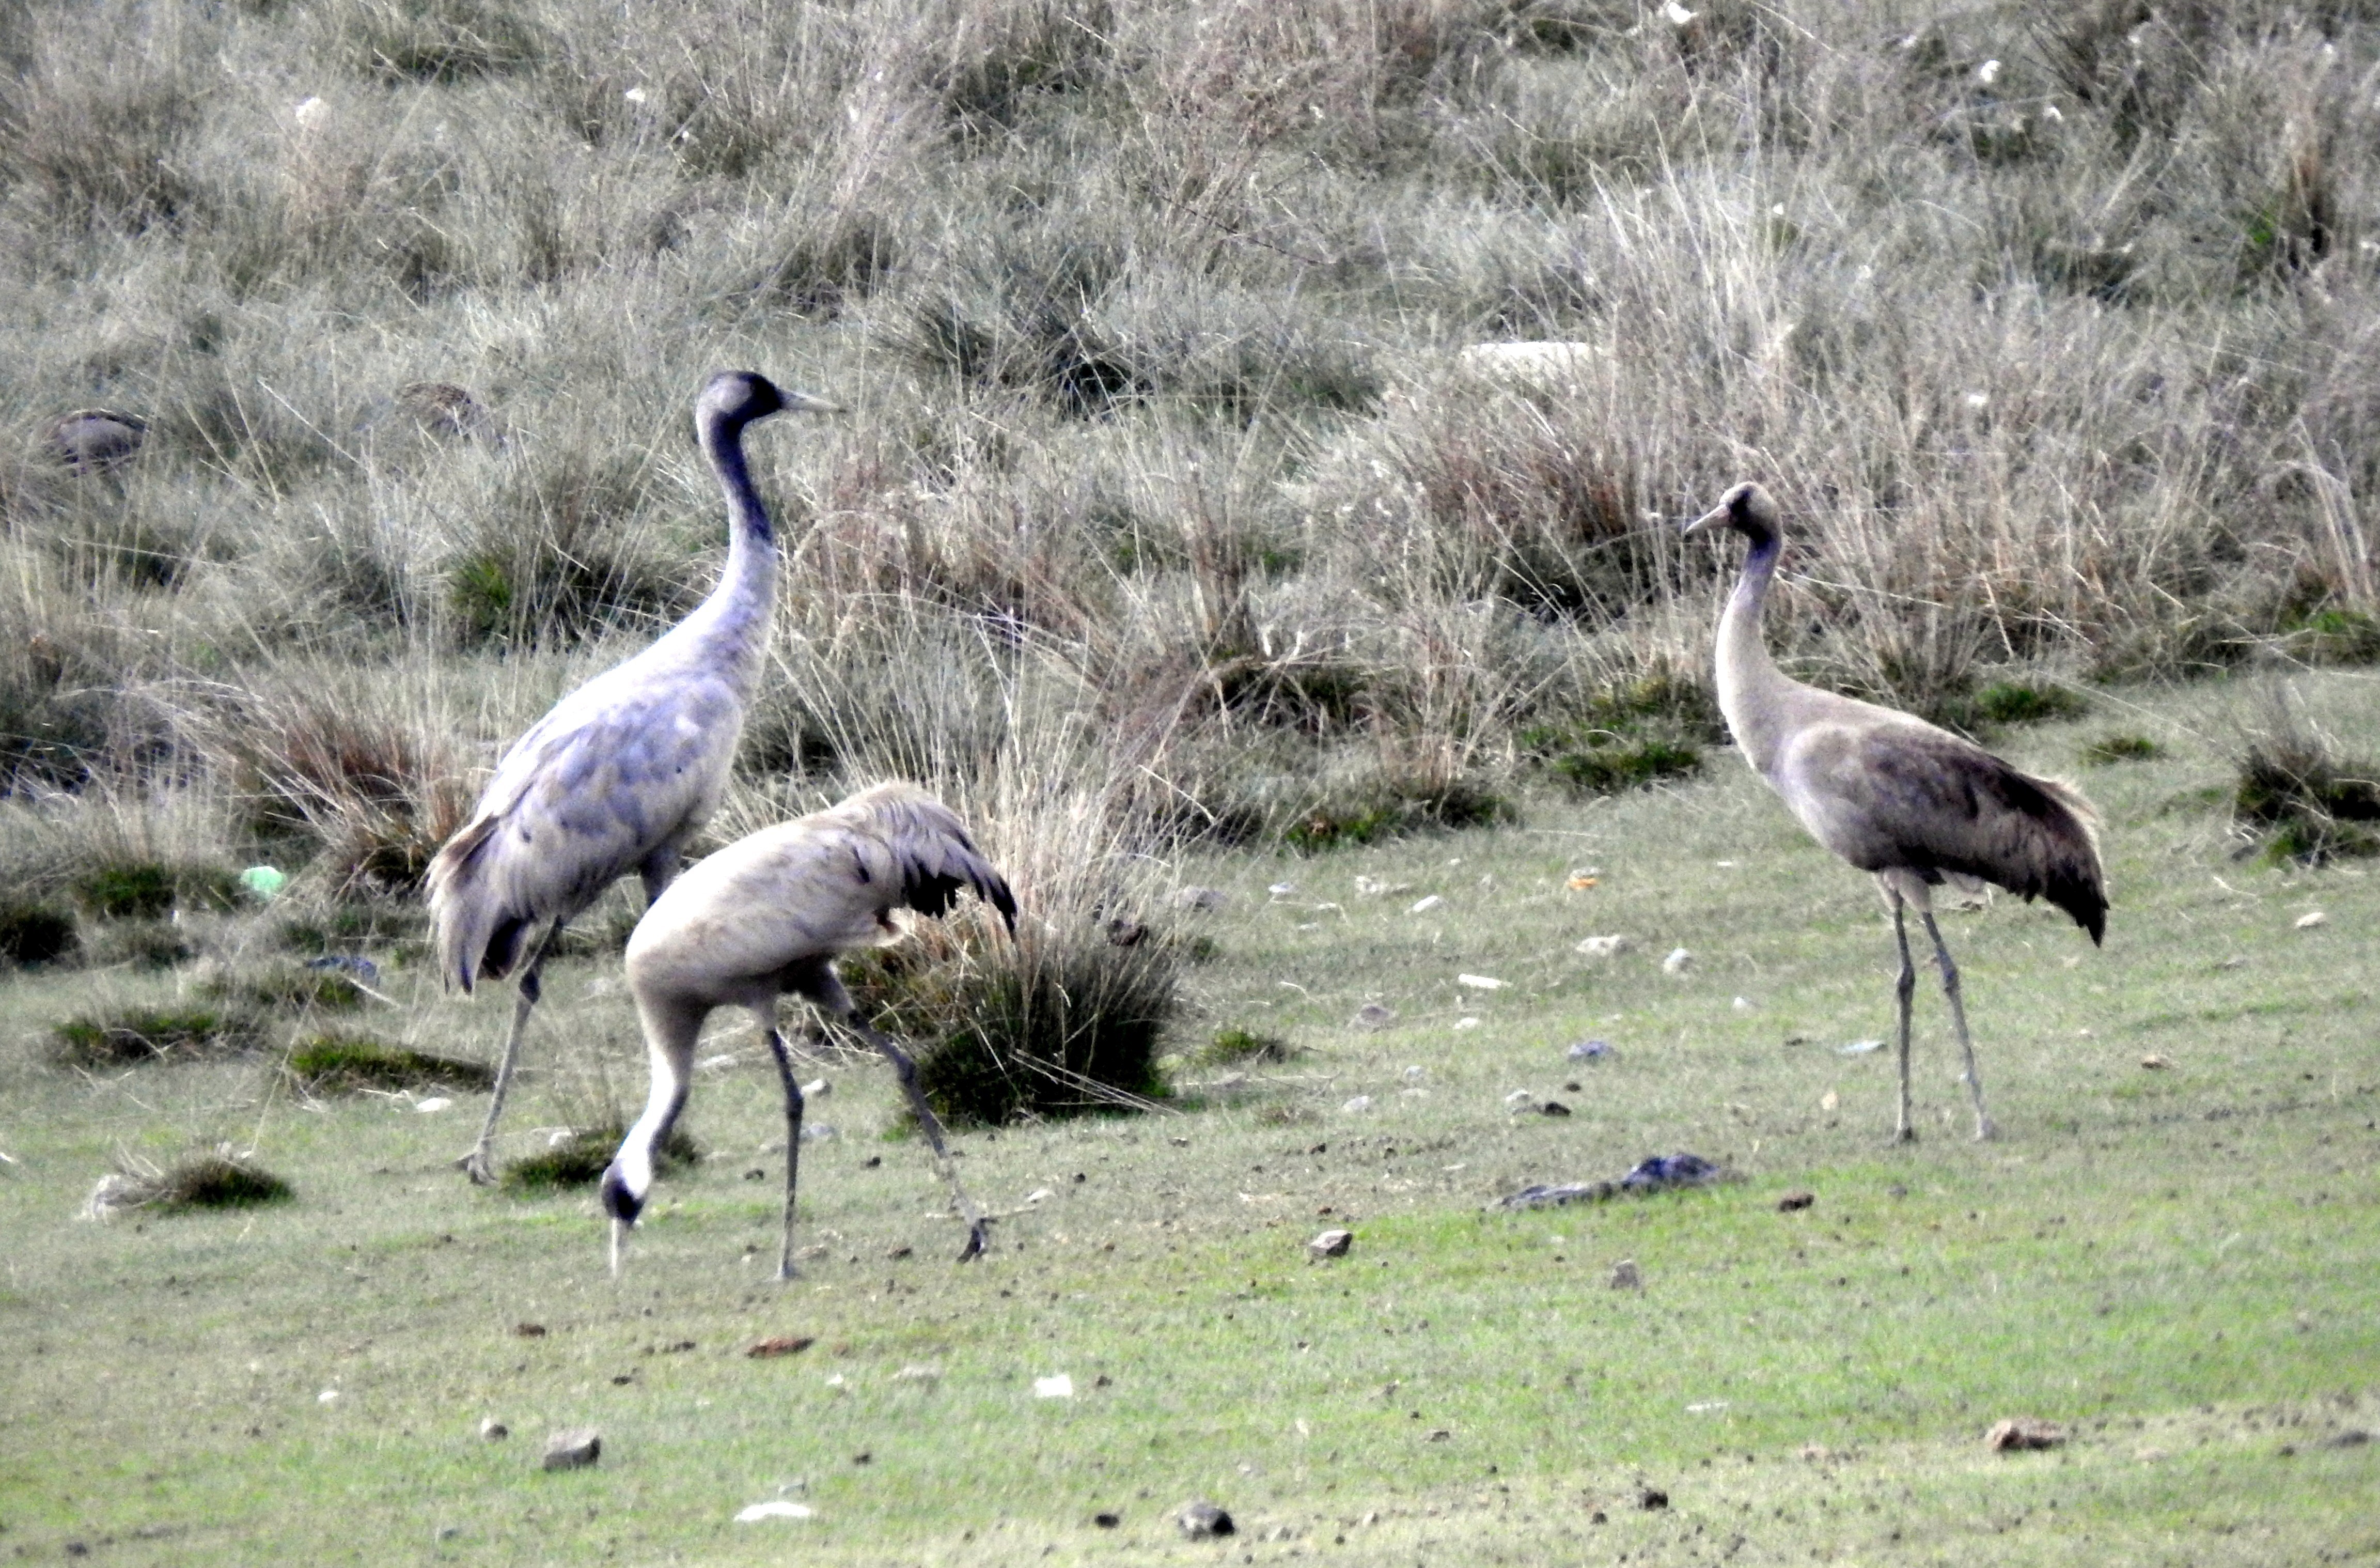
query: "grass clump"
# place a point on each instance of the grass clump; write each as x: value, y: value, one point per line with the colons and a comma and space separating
x: 2310, y: 805
x: 150, y: 890
x: 2115, y: 749
x: 2336, y: 637
x: 332, y: 1063
x: 2019, y: 703
x: 289, y: 988
x: 220, y: 1180
x: 1392, y: 811
x: 35, y: 933
x: 1054, y: 1033
x: 1232, y: 1046
x: 150, y: 1035
x: 1628, y: 736
x: 578, y: 1159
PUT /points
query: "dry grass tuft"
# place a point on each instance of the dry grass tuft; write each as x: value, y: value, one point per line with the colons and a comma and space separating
x: 218, y: 1180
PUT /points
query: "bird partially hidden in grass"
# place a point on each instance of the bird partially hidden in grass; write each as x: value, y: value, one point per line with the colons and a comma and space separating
x: 620, y: 771
x: 1916, y: 806
x: 767, y: 916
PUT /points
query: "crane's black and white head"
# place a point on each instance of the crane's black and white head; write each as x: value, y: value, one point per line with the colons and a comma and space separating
x: 1748, y: 509
x: 627, y: 1181
x: 736, y: 398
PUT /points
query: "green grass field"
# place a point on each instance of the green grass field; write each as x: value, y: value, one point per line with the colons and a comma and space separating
x: 2177, y: 1263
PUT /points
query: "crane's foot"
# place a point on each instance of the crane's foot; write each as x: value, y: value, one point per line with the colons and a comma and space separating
x: 1985, y: 1129
x: 786, y: 1273
x: 475, y: 1165
x: 1904, y: 1134
x: 979, y: 1239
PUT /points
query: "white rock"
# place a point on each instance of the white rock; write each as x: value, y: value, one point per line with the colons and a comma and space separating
x: 1743, y: 1005
x: 1675, y: 963
x: 2311, y: 918
x: 1359, y: 1105
x: 1415, y: 1074
x: 1282, y: 890
x: 1989, y: 72
x: 1520, y: 1100
x: 1480, y: 982
x: 1423, y: 906
x: 1372, y: 887
x: 434, y: 1104
x: 818, y: 1132
x: 917, y: 1374
x: 1859, y: 1047
x: 1040, y: 1195
x: 328, y: 1396
x: 816, y: 1087
x: 1466, y: 1023
x: 776, y: 1508
x: 1060, y: 1387
x: 1603, y: 946
x: 636, y: 95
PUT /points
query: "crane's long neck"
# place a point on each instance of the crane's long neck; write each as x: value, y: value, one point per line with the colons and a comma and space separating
x: 734, y: 622
x: 1751, y: 690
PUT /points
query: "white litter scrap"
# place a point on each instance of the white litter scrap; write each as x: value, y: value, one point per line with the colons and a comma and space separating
x: 1373, y: 887
x: 1676, y: 962
x: 434, y: 1104
x: 1859, y: 1047
x: 1423, y: 906
x: 776, y: 1508
x: 1466, y: 1023
x: 1040, y: 1195
x: 1603, y: 946
x: 1743, y: 1005
x: 1060, y: 1387
x: 1520, y: 1100
x: 1481, y: 982
x: 1282, y: 890
x: 328, y: 1396
x: 816, y: 1087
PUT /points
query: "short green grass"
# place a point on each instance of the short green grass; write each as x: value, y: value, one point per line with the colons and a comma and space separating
x: 2177, y: 1261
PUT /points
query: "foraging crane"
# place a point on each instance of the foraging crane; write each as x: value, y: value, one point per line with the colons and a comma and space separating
x: 1915, y: 805
x: 620, y: 771
x: 768, y: 915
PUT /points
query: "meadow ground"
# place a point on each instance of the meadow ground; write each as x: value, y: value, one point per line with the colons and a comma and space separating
x: 2176, y: 1262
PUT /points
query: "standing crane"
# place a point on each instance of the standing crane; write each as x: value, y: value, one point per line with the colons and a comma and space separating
x: 768, y: 915
x: 620, y: 771
x: 1913, y: 805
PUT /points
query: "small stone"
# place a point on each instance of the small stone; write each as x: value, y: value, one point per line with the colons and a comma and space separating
x: 783, y: 1344
x: 494, y: 1430
x: 573, y: 1448
x: 529, y: 1331
x: 2023, y: 1431
x: 1466, y: 1023
x: 816, y: 1087
x: 1651, y: 1497
x: 1743, y: 1005
x: 1828, y: 1100
x: 1356, y: 1106
x: 2352, y: 1437
x: 1331, y: 1243
x: 434, y: 1104
x: 1372, y: 1015
x: 1201, y: 900
x: 1202, y: 1521
x: 1520, y: 1101
x: 1423, y: 906
x: 1060, y: 1387
x: 1372, y: 887
x: 1602, y: 946
x: 1282, y: 890
x: 1793, y: 1200
x: 1676, y: 962
x: 2155, y: 1063
x: 775, y: 1509
x: 916, y: 1373
x: 2311, y: 918
x: 1481, y: 982
x: 1625, y: 1275
x: 1107, y: 1521
x: 1589, y: 1051
x: 1439, y: 1434
x: 1554, y: 1108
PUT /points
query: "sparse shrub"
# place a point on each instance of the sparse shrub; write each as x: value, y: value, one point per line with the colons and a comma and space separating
x: 1060, y: 1030
x: 2336, y: 637
x: 579, y: 1160
x: 220, y: 1180
x: 2110, y: 749
x: 1232, y: 1046
x: 150, y: 1035
x: 33, y: 933
x: 345, y: 1064
x: 2019, y: 703
x: 1392, y: 808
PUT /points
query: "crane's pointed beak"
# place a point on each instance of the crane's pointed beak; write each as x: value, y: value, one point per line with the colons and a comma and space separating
x: 805, y: 402
x: 1716, y: 517
x: 619, y: 1235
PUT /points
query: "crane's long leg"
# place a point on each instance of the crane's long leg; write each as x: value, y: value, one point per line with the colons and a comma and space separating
x: 907, y: 1071
x: 1903, y: 988
x: 793, y: 1141
x: 1984, y: 1127
x: 476, y: 1164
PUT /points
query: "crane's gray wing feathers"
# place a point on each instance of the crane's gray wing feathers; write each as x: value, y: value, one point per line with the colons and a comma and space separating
x: 1919, y: 798
x: 614, y: 773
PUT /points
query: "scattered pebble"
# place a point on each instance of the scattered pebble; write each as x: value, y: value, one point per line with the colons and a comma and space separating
x: 1466, y: 1023
x: 1793, y: 1200
x: 1706, y: 1407
x: 775, y: 1509
x: 1282, y: 890
x: 1520, y: 1100
x: 916, y: 1373
x: 2023, y: 1431
x: 1372, y: 1015
x: 783, y: 1344
x: 816, y: 1087
x: 1603, y: 946
x: 1060, y: 1387
x: 1372, y: 887
x: 1415, y: 1074
x: 1675, y: 963
x: 1653, y: 1497
x: 1202, y: 1521
x: 1828, y: 1100
x: 1481, y: 982
x: 1423, y: 906
x: 1040, y: 1195
x: 2155, y: 1063
x: 328, y: 1396
x: 1107, y: 1521
x: 1554, y: 1108
x: 1589, y: 1051
x: 1625, y: 1275
x: 1331, y: 1243
x: 573, y: 1448
x: 2310, y: 919
x: 1743, y: 1005
x: 1859, y: 1047
x: 1580, y: 882
x: 494, y: 1430
x: 434, y: 1104
x: 1357, y: 1106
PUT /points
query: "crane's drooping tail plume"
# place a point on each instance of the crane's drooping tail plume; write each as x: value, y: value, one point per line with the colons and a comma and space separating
x: 616, y: 775
x: 767, y: 916
x: 1912, y: 804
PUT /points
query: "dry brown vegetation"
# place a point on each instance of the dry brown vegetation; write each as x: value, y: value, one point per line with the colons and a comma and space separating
x: 1162, y: 502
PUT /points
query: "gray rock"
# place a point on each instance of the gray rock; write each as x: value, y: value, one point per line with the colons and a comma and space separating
x: 1372, y: 1015
x: 1331, y: 1243
x: 573, y: 1448
x: 1201, y: 1521
x: 1625, y: 1275
x: 494, y: 1430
